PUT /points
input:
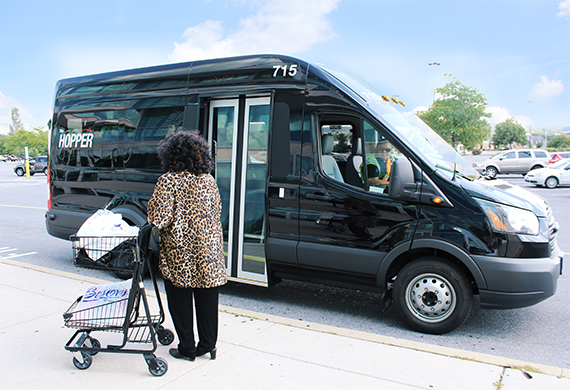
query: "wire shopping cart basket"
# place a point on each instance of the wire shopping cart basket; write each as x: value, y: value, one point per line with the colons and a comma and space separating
x: 121, y: 308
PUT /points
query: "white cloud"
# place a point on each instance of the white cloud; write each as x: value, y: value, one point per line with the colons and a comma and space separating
x: 418, y: 109
x: 564, y: 8
x: 501, y: 114
x: 279, y: 27
x: 546, y: 89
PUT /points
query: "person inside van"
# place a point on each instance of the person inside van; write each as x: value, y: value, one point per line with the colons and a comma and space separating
x: 378, y: 164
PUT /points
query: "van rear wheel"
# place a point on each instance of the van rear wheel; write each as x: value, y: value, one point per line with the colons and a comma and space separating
x: 432, y: 295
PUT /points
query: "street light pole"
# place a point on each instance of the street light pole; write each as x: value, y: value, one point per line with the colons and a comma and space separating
x: 434, y: 64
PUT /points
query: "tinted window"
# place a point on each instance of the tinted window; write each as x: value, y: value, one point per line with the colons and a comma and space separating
x: 98, y: 135
x: 509, y: 155
x: 540, y: 154
x: 155, y: 124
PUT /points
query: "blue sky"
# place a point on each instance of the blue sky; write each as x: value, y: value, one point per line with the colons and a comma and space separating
x: 515, y: 52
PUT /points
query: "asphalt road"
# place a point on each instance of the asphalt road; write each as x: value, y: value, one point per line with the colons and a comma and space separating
x: 538, y: 334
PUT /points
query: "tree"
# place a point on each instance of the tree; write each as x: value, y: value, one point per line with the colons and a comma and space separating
x: 16, y: 121
x: 36, y: 141
x: 458, y: 115
x: 560, y: 141
x: 342, y: 145
x: 509, y: 132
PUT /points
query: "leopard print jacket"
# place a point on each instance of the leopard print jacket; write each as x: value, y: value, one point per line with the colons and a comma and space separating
x: 186, y: 208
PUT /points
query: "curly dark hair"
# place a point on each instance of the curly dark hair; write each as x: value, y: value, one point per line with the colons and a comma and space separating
x: 185, y: 151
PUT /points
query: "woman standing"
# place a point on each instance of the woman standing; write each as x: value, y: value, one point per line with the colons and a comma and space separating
x: 186, y: 208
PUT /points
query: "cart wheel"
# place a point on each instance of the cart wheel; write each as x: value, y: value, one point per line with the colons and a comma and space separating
x: 161, y: 367
x: 87, y: 360
x: 94, y: 344
x: 165, y: 336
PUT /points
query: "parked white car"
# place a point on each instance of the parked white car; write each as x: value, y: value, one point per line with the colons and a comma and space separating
x: 556, y: 174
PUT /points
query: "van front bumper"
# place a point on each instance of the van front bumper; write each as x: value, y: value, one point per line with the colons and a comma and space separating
x: 518, y: 282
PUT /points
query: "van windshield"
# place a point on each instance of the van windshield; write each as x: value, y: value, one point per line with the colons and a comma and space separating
x: 419, y: 136
x: 425, y: 141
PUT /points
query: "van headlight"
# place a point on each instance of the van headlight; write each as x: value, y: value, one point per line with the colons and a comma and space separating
x: 510, y: 219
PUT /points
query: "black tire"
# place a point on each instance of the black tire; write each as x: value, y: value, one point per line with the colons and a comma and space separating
x: 87, y: 360
x: 94, y: 344
x: 19, y: 171
x: 165, y: 336
x: 46, y: 171
x: 551, y: 182
x: 491, y: 171
x: 161, y: 368
x: 427, y: 312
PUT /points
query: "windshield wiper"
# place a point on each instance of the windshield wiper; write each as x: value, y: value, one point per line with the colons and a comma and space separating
x: 455, y: 172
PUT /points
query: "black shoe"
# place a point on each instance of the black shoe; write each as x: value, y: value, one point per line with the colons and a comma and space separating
x: 174, y: 353
x: 200, y: 352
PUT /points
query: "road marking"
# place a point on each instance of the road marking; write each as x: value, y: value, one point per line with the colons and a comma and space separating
x: 23, y: 207
x: 12, y: 256
x: 6, y: 249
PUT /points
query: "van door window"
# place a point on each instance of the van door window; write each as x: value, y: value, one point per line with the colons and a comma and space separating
x: 352, y: 151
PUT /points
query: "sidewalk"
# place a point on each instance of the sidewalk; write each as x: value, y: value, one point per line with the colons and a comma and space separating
x: 255, y: 351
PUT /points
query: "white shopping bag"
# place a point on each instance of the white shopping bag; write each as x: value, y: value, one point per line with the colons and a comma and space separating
x: 104, y: 223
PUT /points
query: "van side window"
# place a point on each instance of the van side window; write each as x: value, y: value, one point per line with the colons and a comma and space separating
x: 354, y: 152
x: 155, y: 124
x: 107, y: 129
x: 540, y: 154
x: 510, y: 155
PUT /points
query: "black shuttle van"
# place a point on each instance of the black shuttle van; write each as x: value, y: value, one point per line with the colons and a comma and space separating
x: 322, y: 179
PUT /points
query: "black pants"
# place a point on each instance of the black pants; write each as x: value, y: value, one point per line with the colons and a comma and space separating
x: 181, y: 311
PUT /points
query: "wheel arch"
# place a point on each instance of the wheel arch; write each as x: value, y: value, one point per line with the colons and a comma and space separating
x: 404, y: 254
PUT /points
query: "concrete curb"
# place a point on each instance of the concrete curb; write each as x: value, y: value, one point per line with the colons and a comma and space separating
x: 391, y: 341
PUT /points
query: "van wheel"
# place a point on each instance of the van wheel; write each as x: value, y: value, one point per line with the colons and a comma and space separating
x: 491, y: 172
x: 551, y: 182
x: 19, y: 172
x: 432, y: 295
x: 536, y: 167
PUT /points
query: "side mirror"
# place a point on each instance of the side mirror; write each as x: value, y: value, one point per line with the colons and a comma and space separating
x: 402, y: 182
x: 404, y: 186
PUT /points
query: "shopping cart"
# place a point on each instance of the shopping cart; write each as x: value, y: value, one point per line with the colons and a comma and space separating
x: 128, y: 314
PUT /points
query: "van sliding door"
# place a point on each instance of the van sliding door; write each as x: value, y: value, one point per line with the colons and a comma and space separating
x: 239, y: 132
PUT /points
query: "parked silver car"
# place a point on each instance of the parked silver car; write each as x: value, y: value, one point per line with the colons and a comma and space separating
x: 37, y: 164
x: 518, y: 161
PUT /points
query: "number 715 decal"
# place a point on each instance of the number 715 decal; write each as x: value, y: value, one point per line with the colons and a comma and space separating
x: 287, y: 70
